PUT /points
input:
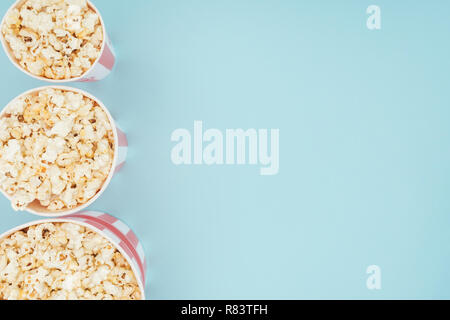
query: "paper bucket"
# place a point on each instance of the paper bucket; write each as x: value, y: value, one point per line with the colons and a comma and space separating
x: 114, y: 230
x: 99, y: 70
x: 120, y: 154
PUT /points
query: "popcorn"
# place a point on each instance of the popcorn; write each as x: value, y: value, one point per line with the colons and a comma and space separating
x: 64, y: 261
x: 57, y: 40
x: 56, y: 149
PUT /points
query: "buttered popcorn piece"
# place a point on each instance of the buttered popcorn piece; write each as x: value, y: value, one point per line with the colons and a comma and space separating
x: 64, y: 261
x: 54, y: 39
x: 56, y: 147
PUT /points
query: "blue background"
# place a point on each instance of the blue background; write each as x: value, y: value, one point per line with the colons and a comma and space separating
x: 365, y: 161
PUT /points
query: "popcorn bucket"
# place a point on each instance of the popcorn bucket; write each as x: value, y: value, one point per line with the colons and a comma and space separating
x: 99, y: 70
x: 114, y: 230
x: 120, y: 155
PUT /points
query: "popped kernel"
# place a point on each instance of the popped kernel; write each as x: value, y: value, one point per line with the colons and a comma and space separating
x: 54, y: 39
x: 64, y: 261
x: 56, y: 147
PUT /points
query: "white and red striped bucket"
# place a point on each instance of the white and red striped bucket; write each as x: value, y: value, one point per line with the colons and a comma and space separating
x: 114, y: 230
x: 120, y: 155
x: 99, y: 70
x: 103, y: 66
